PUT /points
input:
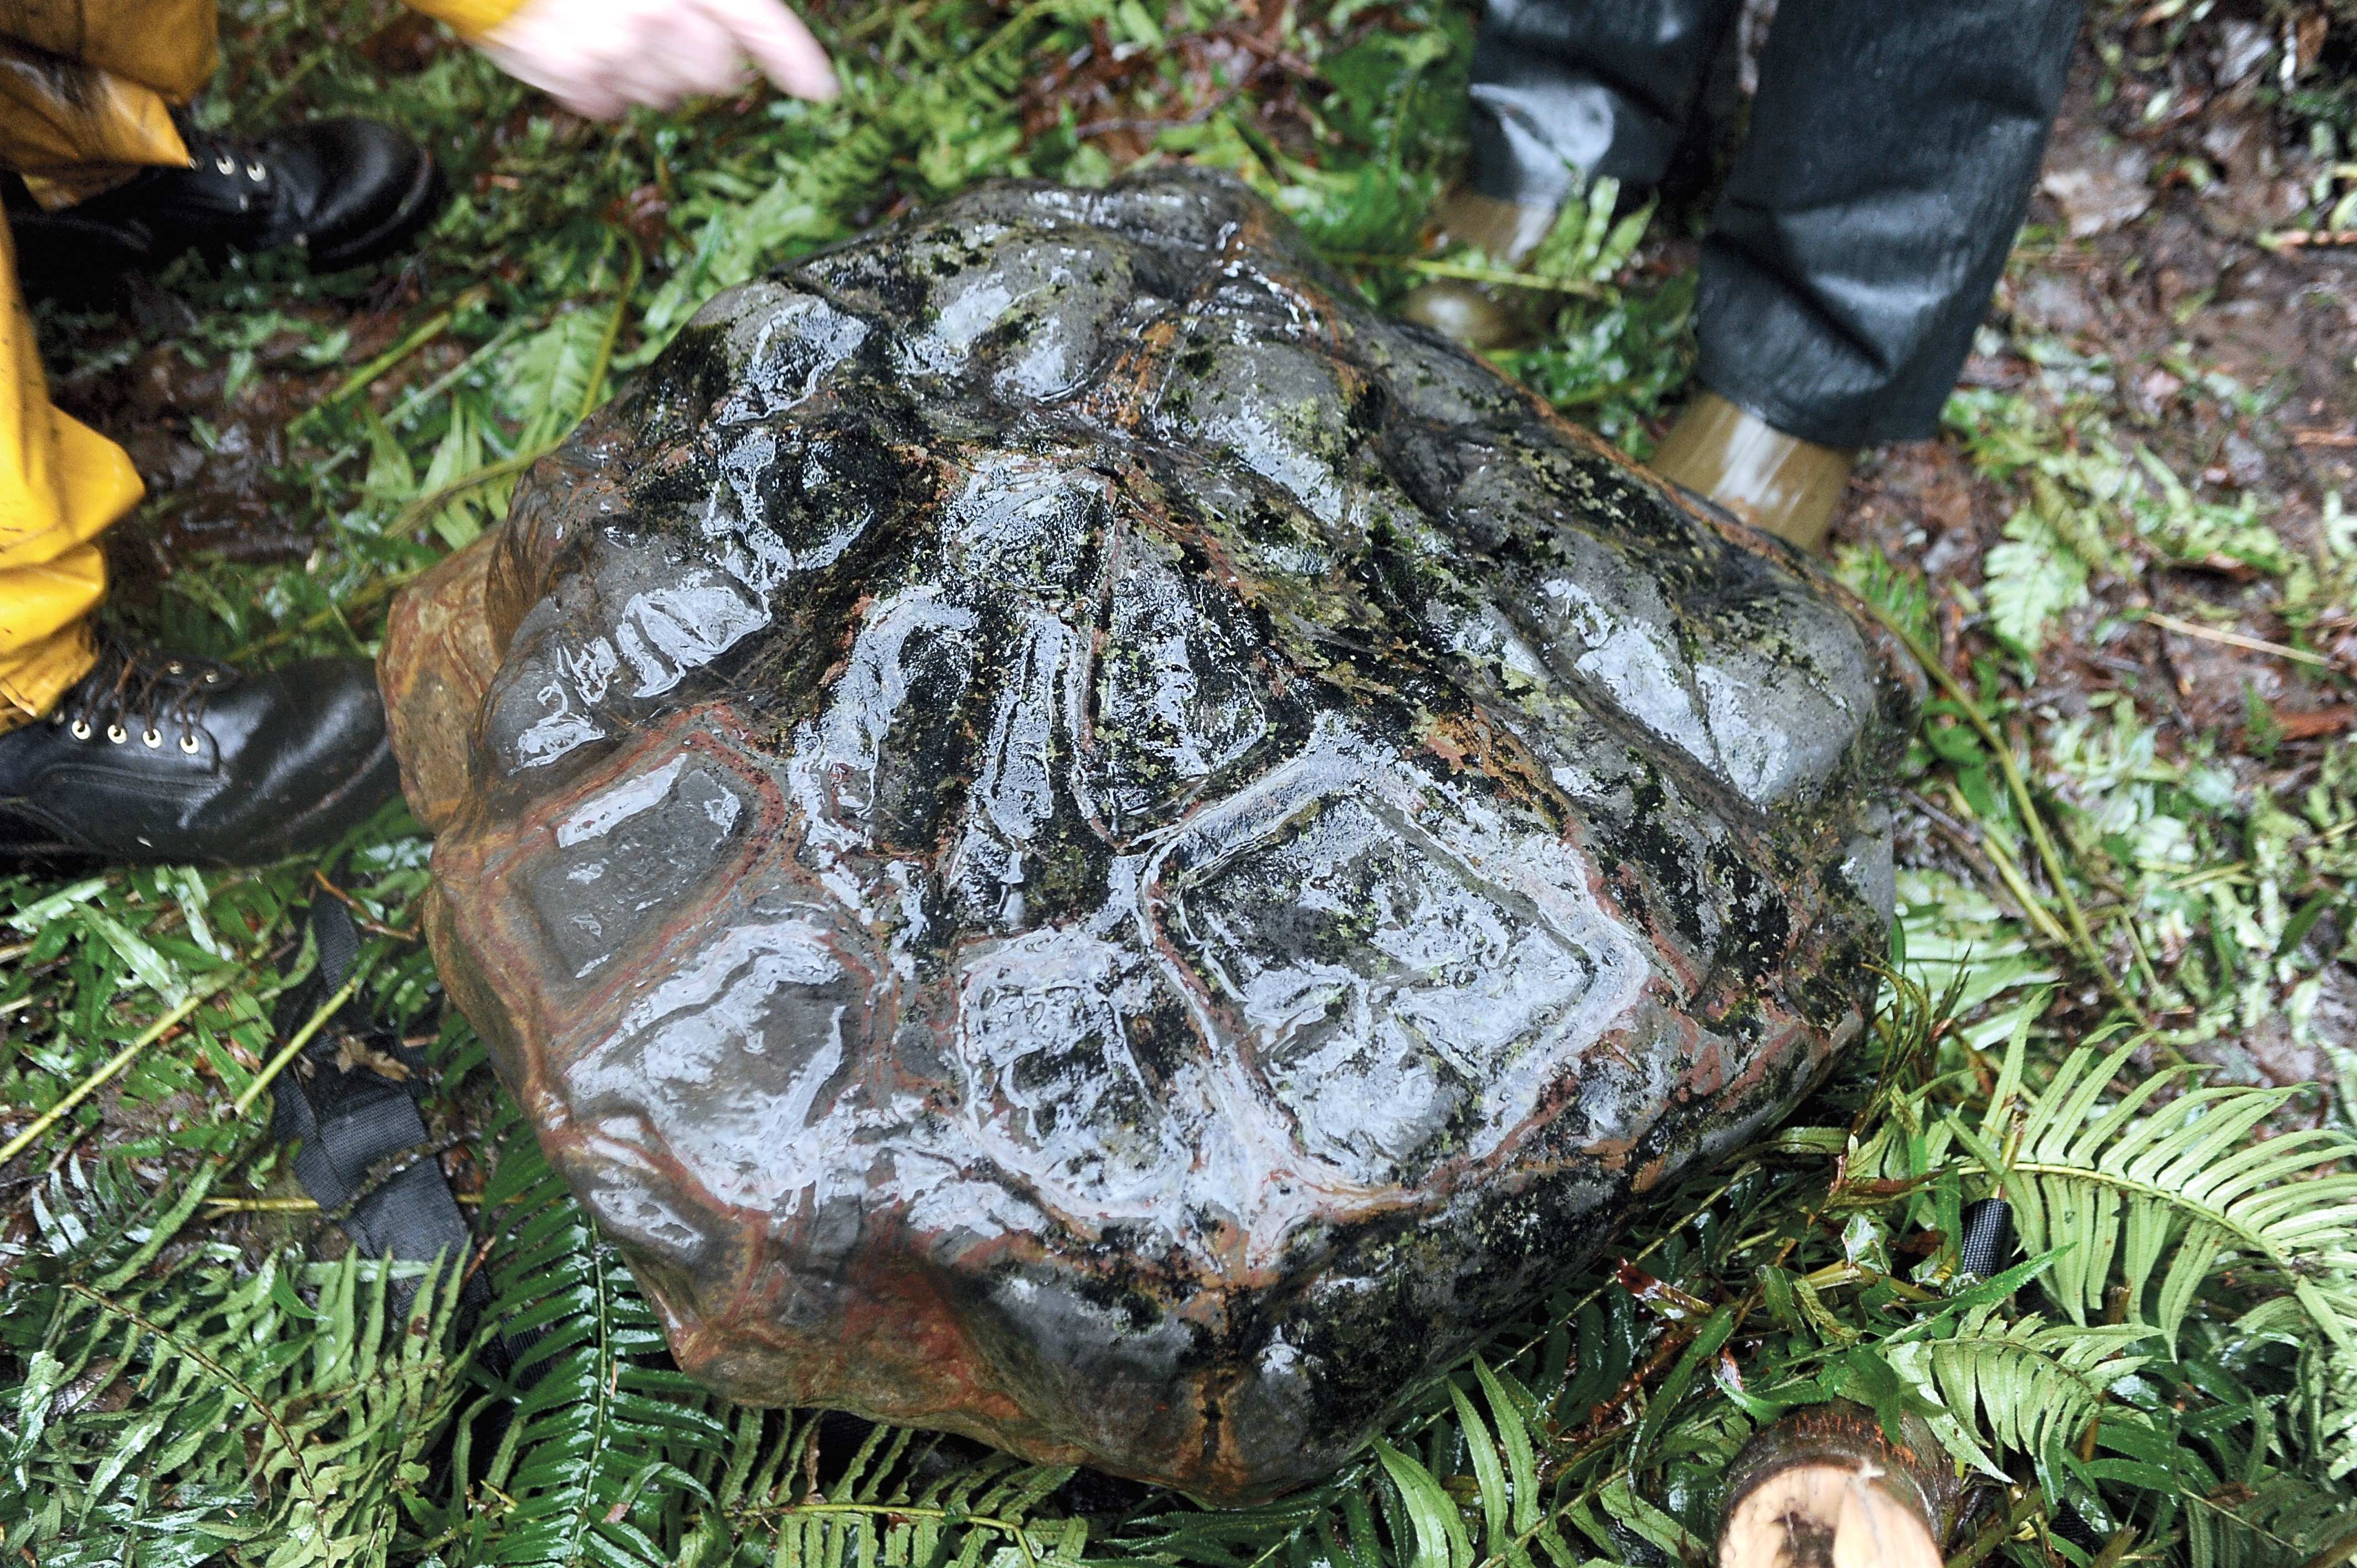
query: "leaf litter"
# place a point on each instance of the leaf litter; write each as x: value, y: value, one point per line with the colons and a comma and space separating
x: 2120, y: 991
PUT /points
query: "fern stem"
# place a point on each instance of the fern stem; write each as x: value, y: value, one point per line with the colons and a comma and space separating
x: 594, y: 393
x: 425, y: 506
x: 1834, y: 1276
x: 2009, y: 873
x: 2082, y: 940
x: 361, y: 598
x: 376, y: 370
x: 599, y: 1419
x: 260, y: 1406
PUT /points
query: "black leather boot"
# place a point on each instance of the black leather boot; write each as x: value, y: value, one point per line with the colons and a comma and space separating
x: 347, y: 191
x: 153, y: 757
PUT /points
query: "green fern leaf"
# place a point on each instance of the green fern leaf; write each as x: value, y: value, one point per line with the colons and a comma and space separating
x: 2031, y: 578
x: 1440, y: 1539
x: 2169, y: 1197
x: 2020, y: 1388
x: 2277, y: 1523
x: 1512, y: 1416
x: 1488, y: 1474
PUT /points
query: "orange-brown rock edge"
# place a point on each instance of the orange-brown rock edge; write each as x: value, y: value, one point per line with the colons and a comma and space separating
x: 1068, y: 836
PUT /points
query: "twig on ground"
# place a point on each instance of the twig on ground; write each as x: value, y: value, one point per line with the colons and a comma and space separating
x: 2234, y: 640
x: 425, y: 506
x: 2306, y: 239
x: 2016, y: 887
x: 377, y: 369
x: 2337, y: 1553
x: 366, y: 921
x: 220, y: 1206
x: 115, y: 1064
x: 303, y: 1036
x: 384, y: 587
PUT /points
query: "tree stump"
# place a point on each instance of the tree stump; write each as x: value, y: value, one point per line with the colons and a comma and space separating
x: 1824, y: 1489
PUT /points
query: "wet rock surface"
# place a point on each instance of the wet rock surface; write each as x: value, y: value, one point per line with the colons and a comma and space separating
x: 1071, y: 838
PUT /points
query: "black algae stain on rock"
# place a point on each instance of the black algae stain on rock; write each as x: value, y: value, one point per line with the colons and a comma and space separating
x: 1071, y: 838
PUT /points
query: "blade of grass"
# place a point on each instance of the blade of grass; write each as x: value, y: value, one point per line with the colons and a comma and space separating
x: 2234, y: 640
x: 2033, y: 908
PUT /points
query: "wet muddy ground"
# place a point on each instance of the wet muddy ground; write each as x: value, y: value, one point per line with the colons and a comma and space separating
x: 2160, y: 281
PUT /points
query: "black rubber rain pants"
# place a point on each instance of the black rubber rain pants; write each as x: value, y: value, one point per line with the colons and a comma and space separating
x: 1892, y: 150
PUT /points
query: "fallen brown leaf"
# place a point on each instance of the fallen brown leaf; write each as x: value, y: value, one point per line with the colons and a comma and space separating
x: 2315, y: 721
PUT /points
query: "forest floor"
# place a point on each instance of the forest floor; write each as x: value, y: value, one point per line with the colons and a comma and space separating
x: 2132, y: 550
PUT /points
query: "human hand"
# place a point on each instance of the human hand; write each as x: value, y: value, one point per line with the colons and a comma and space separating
x: 600, y: 57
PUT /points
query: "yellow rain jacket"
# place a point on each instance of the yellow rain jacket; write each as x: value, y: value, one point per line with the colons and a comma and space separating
x: 86, y: 93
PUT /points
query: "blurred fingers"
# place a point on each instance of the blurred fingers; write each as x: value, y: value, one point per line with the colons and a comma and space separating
x: 780, y: 45
x: 600, y: 57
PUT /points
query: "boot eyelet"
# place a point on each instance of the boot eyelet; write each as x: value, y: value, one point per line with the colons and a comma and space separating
x: 188, y: 743
x: 151, y: 739
x: 81, y: 730
x: 175, y: 667
x: 212, y: 677
x: 224, y: 164
x: 117, y: 734
x: 256, y: 173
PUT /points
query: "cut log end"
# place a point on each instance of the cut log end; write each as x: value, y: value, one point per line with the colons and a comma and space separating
x: 1825, y: 1489
x: 1825, y: 1516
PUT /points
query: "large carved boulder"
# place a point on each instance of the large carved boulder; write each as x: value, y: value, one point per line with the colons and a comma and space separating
x: 1070, y: 837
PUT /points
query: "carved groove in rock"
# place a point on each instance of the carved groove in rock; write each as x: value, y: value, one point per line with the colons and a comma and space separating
x: 1070, y: 837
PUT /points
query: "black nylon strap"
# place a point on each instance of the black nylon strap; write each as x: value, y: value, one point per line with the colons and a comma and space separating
x: 363, y: 1150
x: 1987, y: 1241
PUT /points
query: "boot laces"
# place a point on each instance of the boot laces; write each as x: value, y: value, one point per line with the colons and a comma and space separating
x: 135, y: 690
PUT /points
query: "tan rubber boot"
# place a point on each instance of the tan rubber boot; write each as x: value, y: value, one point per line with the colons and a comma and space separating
x: 1779, y: 484
x: 1505, y: 232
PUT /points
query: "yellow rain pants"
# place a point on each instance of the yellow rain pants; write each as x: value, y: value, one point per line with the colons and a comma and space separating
x: 61, y: 484
x: 87, y: 88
